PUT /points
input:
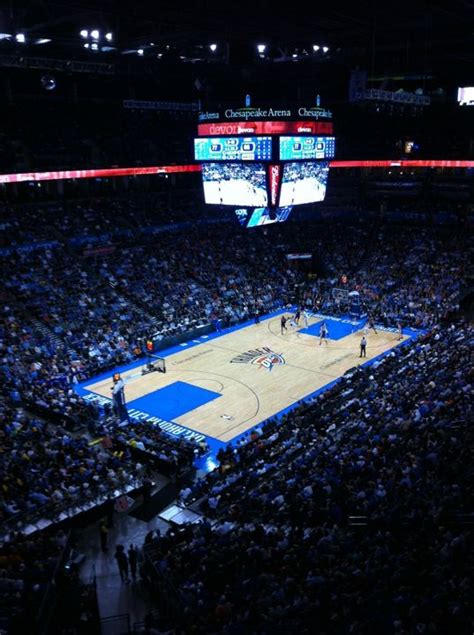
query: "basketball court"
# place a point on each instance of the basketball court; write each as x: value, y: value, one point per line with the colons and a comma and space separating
x: 221, y: 385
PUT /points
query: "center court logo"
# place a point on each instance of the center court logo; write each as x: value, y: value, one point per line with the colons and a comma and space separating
x: 263, y: 357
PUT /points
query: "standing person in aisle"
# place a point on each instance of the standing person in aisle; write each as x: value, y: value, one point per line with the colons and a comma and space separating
x: 133, y: 560
x: 122, y: 562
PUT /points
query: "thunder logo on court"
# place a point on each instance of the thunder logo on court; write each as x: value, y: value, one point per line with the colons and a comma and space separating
x: 261, y: 356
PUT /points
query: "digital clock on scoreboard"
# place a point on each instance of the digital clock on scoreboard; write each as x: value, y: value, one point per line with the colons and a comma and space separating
x: 292, y: 148
x: 233, y: 149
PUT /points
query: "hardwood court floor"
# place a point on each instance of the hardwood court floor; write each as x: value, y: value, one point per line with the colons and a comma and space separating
x: 235, y: 366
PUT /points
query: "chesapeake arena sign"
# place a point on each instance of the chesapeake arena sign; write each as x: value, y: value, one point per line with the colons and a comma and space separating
x: 246, y: 114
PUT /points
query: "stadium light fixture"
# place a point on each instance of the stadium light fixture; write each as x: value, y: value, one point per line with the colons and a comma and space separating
x: 86, y: 45
x: 213, y: 47
x: 315, y: 48
x: 84, y: 33
x: 108, y: 36
x: 140, y: 51
x: 94, y: 46
x: 20, y: 38
x: 43, y: 40
x: 95, y: 34
x: 325, y: 49
x: 261, y: 48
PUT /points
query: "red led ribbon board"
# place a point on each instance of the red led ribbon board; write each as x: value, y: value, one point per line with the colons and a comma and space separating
x: 102, y: 172
x: 174, y: 169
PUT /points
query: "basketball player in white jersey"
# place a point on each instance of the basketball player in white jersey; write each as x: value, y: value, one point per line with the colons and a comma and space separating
x: 323, y: 334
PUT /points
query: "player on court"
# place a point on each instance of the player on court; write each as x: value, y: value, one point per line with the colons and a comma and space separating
x: 297, y: 316
x: 323, y: 334
x: 400, y: 331
x: 283, y: 322
x: 372, y: 325
x: 305, y: 318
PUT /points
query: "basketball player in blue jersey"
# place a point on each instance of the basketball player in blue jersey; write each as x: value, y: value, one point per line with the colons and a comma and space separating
x: 323, y: 334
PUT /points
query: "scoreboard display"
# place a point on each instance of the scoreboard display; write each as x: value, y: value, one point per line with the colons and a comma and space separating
x: 233, y: 149
x: 264, y: 160
x: 294, y: 148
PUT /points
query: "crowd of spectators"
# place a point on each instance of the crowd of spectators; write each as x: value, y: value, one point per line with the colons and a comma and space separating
x: 45, y: 471
x: 346, y: 517
x: 400, y: 275
x: 66, y: 316
x: 27, y: 567
x: 84, y: 221
x: 384, y: 445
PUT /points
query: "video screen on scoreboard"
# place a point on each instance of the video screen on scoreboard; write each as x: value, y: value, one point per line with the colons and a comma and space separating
x: 261, y: 216
x: 235, y: 184
x: 303, y: 183
x: 466, y: 95
x: 233, y: 149
x: 292, y: 148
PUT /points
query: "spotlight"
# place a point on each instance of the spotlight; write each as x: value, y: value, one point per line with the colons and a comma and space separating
x: 213, y: 47
x: 86, y: 45
x: 261, y: 48
x: 325, y: 49
x: 48, y: 82
x: 84, y: 33
x: 108, y: 37
x: 140, y: 51
x: 20, y: 37
x: 94, y: 46
x: 315, y: 48
x: 95, y: 34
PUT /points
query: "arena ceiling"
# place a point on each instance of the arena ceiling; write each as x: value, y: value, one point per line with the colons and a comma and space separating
x: 398, y: 38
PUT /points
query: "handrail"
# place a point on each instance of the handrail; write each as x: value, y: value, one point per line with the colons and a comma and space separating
x: 49, y: 512
x: 169, y: 594
x: 45, y: 610
x: 124, y: 618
